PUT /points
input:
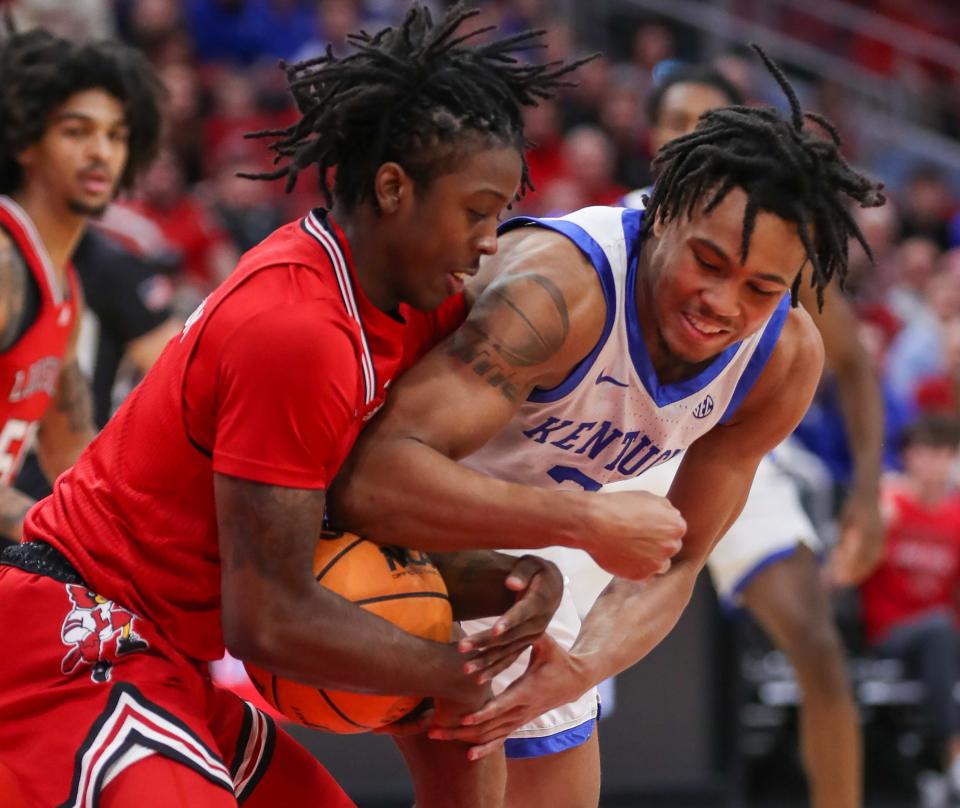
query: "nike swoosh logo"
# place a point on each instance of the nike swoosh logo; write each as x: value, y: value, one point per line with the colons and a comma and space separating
x: 604, y: 379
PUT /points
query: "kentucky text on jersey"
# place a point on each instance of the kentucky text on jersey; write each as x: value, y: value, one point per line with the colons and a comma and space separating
x: 629, y: 453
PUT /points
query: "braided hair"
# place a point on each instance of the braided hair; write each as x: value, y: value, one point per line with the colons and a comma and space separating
x: 41, y: 71
x: 782, y: 167
x: 411, y: 95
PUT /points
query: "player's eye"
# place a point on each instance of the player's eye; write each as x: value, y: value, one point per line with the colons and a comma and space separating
x: 706, y: 264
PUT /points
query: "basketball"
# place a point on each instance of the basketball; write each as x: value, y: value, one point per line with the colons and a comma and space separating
x: 397, y: 584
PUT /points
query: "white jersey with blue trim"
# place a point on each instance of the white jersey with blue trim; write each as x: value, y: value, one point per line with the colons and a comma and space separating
x: 611, y: 419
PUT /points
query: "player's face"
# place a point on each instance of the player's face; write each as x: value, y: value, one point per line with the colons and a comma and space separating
x: 703, y: 299
x: 79, y: 161
x: 681, y: 108
x: 453, y: 223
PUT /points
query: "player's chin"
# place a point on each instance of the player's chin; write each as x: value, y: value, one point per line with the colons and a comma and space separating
x: 88, y: 205
x: 427, y: 299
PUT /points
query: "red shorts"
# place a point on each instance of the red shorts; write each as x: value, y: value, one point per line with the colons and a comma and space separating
x: 87, y: 689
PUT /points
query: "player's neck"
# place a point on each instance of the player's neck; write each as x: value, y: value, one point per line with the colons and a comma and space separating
x: 60, y: 228
x: 371, y: 262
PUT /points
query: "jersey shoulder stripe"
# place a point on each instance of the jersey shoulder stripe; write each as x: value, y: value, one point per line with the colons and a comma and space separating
x: 315, y: 228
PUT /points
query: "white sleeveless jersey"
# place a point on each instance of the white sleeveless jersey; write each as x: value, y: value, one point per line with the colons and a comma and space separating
x: 611, y: 419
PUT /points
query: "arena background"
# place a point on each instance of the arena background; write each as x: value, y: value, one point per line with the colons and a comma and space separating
x: 709, y: 718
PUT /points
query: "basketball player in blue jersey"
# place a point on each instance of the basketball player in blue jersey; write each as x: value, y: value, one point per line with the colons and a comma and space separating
x: 767, y: 561
x: 599, y: 346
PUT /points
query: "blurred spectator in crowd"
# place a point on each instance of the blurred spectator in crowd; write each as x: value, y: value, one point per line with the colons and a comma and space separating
x: 207, y: 255
x: 545, y: 159
x: 183, y: 132
x: 332, y: 21
x: 236, y: 110
x: 917, y: 351
x: 241, y: 207
x: 580, y: 105
x: 833, y: 100
x: 79, y: 20
x: 522, y: 15
x: 869, y: 282
x: 909, y: 602
x: 246, y: 31
x: 916, y: 259
x: 941, y: 393
x: 652, y: 44
x: 588, y: 158
x: 621, y: 116
x: 150, y: 25
x: 927, y: 206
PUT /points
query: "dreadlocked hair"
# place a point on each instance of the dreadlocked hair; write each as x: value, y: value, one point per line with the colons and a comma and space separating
x: 411, y: 95
x: 784, y: 169
x: 40, y: 71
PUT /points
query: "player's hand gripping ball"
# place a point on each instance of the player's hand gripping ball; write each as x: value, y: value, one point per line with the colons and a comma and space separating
x: 399, y: 585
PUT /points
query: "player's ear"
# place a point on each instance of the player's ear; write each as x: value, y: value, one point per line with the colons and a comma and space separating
x: 392, y: 187
x: 28, y: 156
x: 659, y: 225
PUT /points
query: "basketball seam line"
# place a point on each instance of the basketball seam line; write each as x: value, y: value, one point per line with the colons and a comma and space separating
x: 337, y: 557
x: 340, y: 712
x: 402, y: 595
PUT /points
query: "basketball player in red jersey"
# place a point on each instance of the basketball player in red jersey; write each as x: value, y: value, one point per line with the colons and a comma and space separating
x: 75, y: 123
x: 189, y: 525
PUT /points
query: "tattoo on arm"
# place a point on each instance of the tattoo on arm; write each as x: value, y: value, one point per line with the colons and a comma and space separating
x: 13, y: 290
x: 13, y: 508
x: 73, y: 398
x: 502, y: 335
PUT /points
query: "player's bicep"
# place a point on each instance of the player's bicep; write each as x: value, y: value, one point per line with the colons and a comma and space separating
x: 521, y: 333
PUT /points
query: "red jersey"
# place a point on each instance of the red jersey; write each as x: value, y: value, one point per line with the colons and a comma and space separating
x: 920, y: 569
x: 271, y: 380
x: 29, y: 370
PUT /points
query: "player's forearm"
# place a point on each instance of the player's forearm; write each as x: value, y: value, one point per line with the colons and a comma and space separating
x: 13, y: 510
x: 320, y: 639
x: 629, y: 620
x: 403, y: 492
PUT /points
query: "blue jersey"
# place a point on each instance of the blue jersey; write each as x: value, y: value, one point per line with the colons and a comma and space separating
x: 611, y: 418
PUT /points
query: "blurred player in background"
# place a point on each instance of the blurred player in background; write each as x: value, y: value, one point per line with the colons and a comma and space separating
x: 76, y: 123
x: 602, y: 345
x: 767, y: 561
x: 190, y: 524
